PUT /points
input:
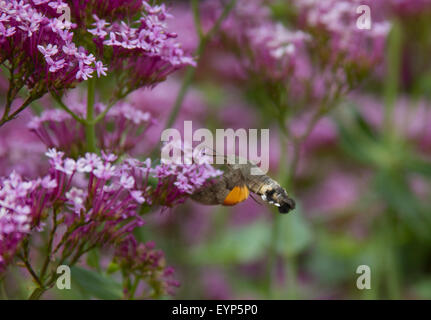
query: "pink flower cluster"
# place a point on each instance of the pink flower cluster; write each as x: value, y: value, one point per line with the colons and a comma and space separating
x: 82, y: 10
x: 120, y: 131
x: 15, y: 214
x: 143, y: 50
x: 110, y: 190
x: 265, y: 47
x: 109, y: 198
x: 39, y: 46
x: 97, y: 198
x: 274, y: 48
x: 44, y: 51
x: 335, y: 21
x: 147, y: 264
x: 183, y: 175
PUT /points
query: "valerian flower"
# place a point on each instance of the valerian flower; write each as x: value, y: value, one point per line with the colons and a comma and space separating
x: 263, y: 46
x: 95, y: 198
x: 334, y: 28
x: 44, y: 52
x: 95, y: 211
x: 39, y: 51
x: 15, y: 215
x: 181, y: 177
x: 123, y: 127
x: 140, y: 50
x: 142, y: 262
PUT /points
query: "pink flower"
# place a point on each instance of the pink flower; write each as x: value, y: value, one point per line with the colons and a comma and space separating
x: 76, y: 197
x: 100, y: 69
x: 137, y: 196
x: 49, y: 50
x: 88, y: 163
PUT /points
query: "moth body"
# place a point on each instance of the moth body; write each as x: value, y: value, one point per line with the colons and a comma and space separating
x: 237, y: 182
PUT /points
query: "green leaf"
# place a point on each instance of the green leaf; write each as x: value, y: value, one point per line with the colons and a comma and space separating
x: 112, y: 267
x: 355, y: 138
x: 423, y: 289
x: 93, y: 258
x: 394, y: 189
x: 95, y: 284
x: 236, y: 246
x: 334, y: 258
x: 418, y: 165
x: 294, y: 234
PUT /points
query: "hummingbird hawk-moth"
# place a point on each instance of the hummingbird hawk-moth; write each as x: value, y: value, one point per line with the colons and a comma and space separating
x: 235, y: 184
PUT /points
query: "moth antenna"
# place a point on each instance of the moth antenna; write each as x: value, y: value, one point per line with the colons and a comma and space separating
x: 215, y: 154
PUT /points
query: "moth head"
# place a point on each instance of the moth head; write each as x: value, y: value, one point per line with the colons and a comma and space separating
x: 279, y: 197
x: 286, y: 206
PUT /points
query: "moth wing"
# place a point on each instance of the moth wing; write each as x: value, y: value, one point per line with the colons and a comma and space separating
x: 237, y: 195
x: 236, y: 184
x: 211, y: 194
x: 229, y: 190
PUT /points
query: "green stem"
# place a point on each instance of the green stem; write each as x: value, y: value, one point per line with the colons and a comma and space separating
x: 40, y: 289
x: 12, y: 116
x: 393, y: 77
x: 90, y: 126
x: 292, y: 277
x: 275, y: 231
x: 4, y: 295
x: 197, y: 18
x: 133, y: 288
x: 188, y: 79
x: 203, y: 41
x: 65, y: 108
x: 9, y: 96
x: 392, y: 83
x: 37, y: 293
x: 50, y: 243
x: 223, y: 16
x: 111, y: 104
x: 391, y: 262
x: 272, y: 258
x: 287, y: 176
x: 30, y: 270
